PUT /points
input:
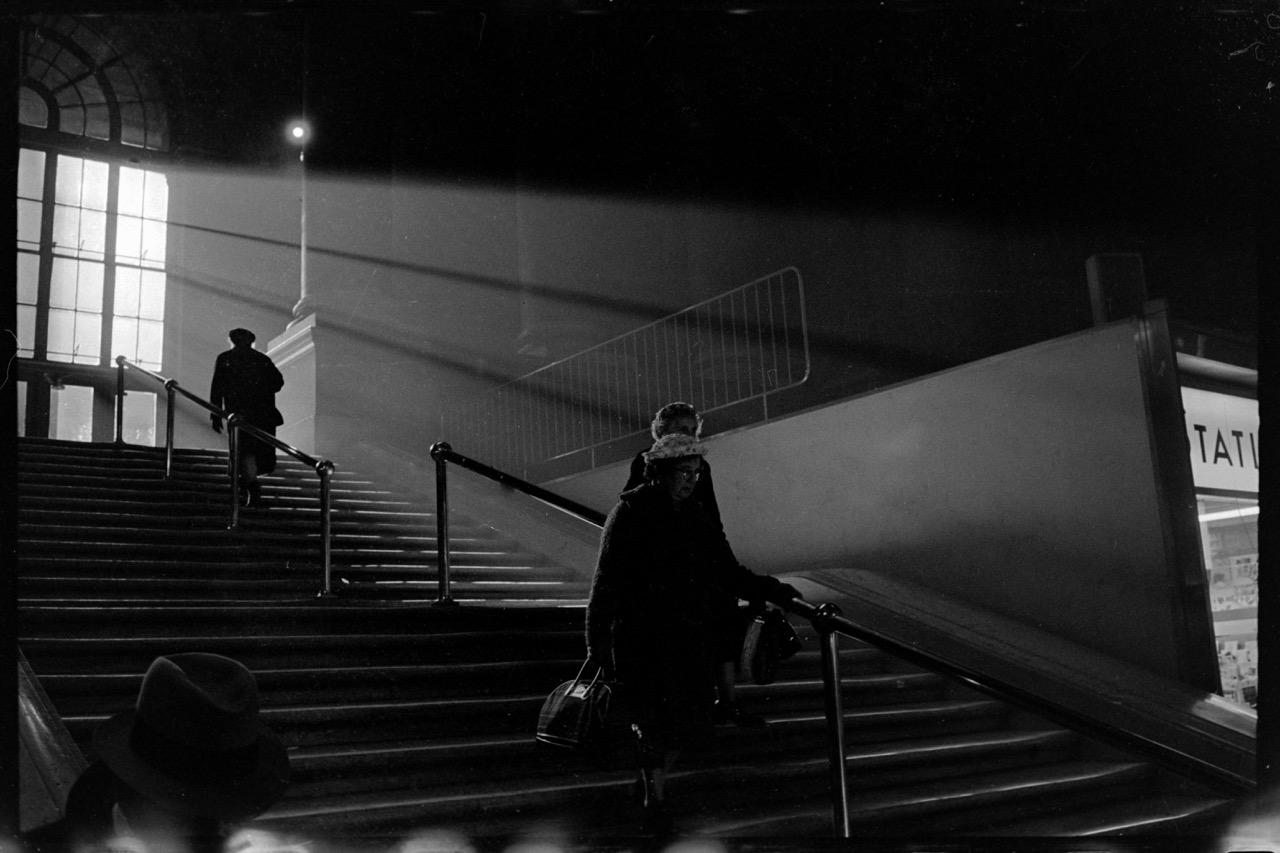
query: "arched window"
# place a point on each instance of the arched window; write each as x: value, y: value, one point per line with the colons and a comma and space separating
x: 92, y: 205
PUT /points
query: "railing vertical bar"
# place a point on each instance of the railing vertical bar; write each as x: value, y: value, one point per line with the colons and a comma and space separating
x: 568, y: 431
x: 839, y: 780
x: 746, y: 346
x: 524, y: 417
x: 540, y: 392
x: 170, y: 395
x: 786, y: 329
x: 737, y: 359
x: 325, y: 470
x: 571, y: 406
x: 503, y: 428
x: 764, y: 383
x: 621, y: 389
x: 673, y: 350
x: 580, y: 402
x: 665, y: 363
x: 684, y: 355
x: 561, y: 422
x: 611, y: 369
x: 638, y: 373
x: 632, y: 384
x: 120, y: 399
x: 701, y: 359
x: 442, y: 524
x: 773, y: 335
x: 690, y: 355
x: 690, y: 344
x: 233, y: 462
x: 718, y: 364
x: 650, y: 371
x: 593, y: 403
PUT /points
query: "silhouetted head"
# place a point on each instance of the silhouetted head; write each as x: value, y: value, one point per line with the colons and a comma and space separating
x: 194, y: 745
x: 241, y: 337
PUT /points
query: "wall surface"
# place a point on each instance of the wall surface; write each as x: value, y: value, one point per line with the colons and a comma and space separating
x: 430, y: 291
x: 1022, y: 483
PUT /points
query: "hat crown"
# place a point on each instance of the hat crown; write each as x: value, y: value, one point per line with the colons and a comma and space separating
x: 675, y: 446
x: 200, y: 699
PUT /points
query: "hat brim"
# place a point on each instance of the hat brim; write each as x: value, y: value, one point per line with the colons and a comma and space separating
x: 238, y: 798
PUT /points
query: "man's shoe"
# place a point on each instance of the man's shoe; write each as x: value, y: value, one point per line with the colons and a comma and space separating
x: 729, y: 714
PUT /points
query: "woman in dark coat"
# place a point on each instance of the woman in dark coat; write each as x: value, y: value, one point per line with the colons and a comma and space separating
x: 680, y: 418
x: 663, y: 598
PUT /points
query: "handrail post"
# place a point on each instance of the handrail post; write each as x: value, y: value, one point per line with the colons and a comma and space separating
x: 233, y: 457
x: 119, y: 399
x: 325, y: 470
x: 835, y: 720
x: 438, y: 451
x: 168, y: 428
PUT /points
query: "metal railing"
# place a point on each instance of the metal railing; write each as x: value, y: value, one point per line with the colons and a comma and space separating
x: 443, y: 454
x: 235, y: 425
x: 746, y: 344
x: 830, y: 624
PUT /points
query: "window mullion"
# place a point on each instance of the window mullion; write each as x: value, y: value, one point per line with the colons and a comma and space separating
x: 40, y: 344
x: 109, y: 263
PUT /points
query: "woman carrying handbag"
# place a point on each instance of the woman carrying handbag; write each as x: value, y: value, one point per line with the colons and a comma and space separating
x: 665, y: 592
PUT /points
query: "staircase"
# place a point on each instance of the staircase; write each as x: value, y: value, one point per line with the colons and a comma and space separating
x: 402, y: 715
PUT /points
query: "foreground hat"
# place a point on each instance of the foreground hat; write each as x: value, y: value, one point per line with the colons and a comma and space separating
x: 675, y: 446
x: 194, y: 741
x: 241, y: 335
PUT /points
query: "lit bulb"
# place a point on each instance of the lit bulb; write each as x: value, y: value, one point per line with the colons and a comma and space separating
x: 298, y: 132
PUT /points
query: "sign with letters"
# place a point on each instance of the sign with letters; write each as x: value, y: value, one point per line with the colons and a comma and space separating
x: 1222, y: 430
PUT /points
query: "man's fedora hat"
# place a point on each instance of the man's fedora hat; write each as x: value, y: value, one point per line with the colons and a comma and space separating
x: 194, y: 742
x: 241, y: 335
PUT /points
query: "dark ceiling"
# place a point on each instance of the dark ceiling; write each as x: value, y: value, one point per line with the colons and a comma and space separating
x: 1042, y: 104
x: 1020, y: 111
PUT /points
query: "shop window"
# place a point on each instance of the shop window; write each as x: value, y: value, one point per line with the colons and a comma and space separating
x: 1222, y: 434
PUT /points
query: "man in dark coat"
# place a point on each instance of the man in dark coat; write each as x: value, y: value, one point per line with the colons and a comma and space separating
x: 245, y: 383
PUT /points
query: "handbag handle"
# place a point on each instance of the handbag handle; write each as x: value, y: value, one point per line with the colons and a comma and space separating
x: 599, y: 671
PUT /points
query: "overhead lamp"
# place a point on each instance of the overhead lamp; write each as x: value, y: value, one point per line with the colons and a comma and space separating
x: 298, y: 131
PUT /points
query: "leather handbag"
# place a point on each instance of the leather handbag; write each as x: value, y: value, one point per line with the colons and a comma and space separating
x: 574, y: 715
x: 770, y: 639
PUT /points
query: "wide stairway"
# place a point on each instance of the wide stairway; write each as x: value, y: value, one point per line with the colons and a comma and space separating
x: 402, y: 715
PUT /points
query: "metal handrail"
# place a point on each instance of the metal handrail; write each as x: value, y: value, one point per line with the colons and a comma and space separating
x: 443, y: 454
x: 826, y: 618
x: 235, y: 425
x: 829, y: 623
